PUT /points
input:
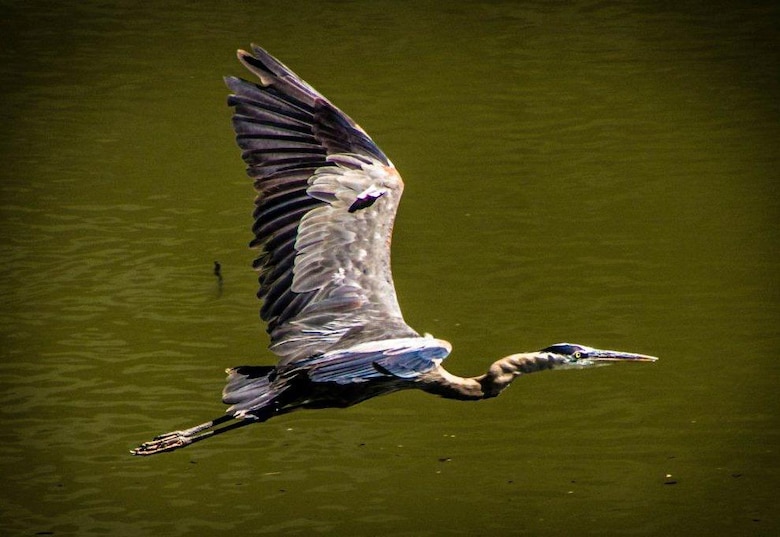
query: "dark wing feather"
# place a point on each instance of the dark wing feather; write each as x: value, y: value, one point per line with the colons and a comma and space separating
x: 327, y: 197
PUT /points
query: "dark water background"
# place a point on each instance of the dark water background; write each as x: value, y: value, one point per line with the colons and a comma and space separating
x: 598, y: 172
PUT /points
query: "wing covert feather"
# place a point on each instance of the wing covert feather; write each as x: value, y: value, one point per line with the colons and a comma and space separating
x: 403, y: 358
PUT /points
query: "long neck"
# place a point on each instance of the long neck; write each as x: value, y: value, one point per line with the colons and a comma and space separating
x: 499, y: 376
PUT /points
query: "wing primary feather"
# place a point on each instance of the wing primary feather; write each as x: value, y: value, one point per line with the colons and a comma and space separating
x: 323, y: 261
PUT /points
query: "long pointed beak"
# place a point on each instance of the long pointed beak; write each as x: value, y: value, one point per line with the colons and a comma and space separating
x: 619, y: 356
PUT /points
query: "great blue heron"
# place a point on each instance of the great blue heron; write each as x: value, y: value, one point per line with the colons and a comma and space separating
x: 327, y: 198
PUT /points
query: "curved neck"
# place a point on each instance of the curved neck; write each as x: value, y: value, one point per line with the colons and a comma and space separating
x: 498, y: 377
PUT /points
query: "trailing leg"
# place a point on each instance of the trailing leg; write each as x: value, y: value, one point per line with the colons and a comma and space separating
x: 179, y: 439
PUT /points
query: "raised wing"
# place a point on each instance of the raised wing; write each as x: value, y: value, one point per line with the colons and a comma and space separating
x: 327, y: 198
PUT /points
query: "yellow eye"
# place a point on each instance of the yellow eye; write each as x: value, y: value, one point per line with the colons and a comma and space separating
x: 578, y: 355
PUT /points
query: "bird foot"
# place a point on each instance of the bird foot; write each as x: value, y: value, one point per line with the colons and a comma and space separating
x: 162, y: 443
x: 179, y: 439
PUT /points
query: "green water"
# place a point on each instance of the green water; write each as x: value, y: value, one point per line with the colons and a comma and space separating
x: 598, y: 172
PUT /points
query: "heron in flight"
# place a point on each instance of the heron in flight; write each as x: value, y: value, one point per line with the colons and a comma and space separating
x: 326, y: 201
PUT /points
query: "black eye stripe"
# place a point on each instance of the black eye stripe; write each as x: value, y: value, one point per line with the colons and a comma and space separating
x: 564, y: 348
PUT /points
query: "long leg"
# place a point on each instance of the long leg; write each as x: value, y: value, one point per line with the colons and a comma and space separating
x: 179, y: 439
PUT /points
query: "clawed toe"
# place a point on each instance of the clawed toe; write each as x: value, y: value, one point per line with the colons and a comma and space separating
x: 185, y: 437
x: 164, y: 442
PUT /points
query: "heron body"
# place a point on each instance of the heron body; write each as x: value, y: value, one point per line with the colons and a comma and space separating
x: 326, y: 202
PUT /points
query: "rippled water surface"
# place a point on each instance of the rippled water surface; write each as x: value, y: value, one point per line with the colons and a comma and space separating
x: 600, y: 172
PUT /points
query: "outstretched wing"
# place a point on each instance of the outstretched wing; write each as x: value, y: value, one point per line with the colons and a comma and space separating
x: 327, y: 198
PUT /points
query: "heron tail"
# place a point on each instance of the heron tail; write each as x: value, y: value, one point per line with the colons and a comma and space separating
x: 251, y: 390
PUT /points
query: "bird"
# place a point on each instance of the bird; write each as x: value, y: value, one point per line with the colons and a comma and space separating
x: 326, y: 202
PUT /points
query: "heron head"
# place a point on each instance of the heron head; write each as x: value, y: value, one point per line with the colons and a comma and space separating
x: 571, y: 355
